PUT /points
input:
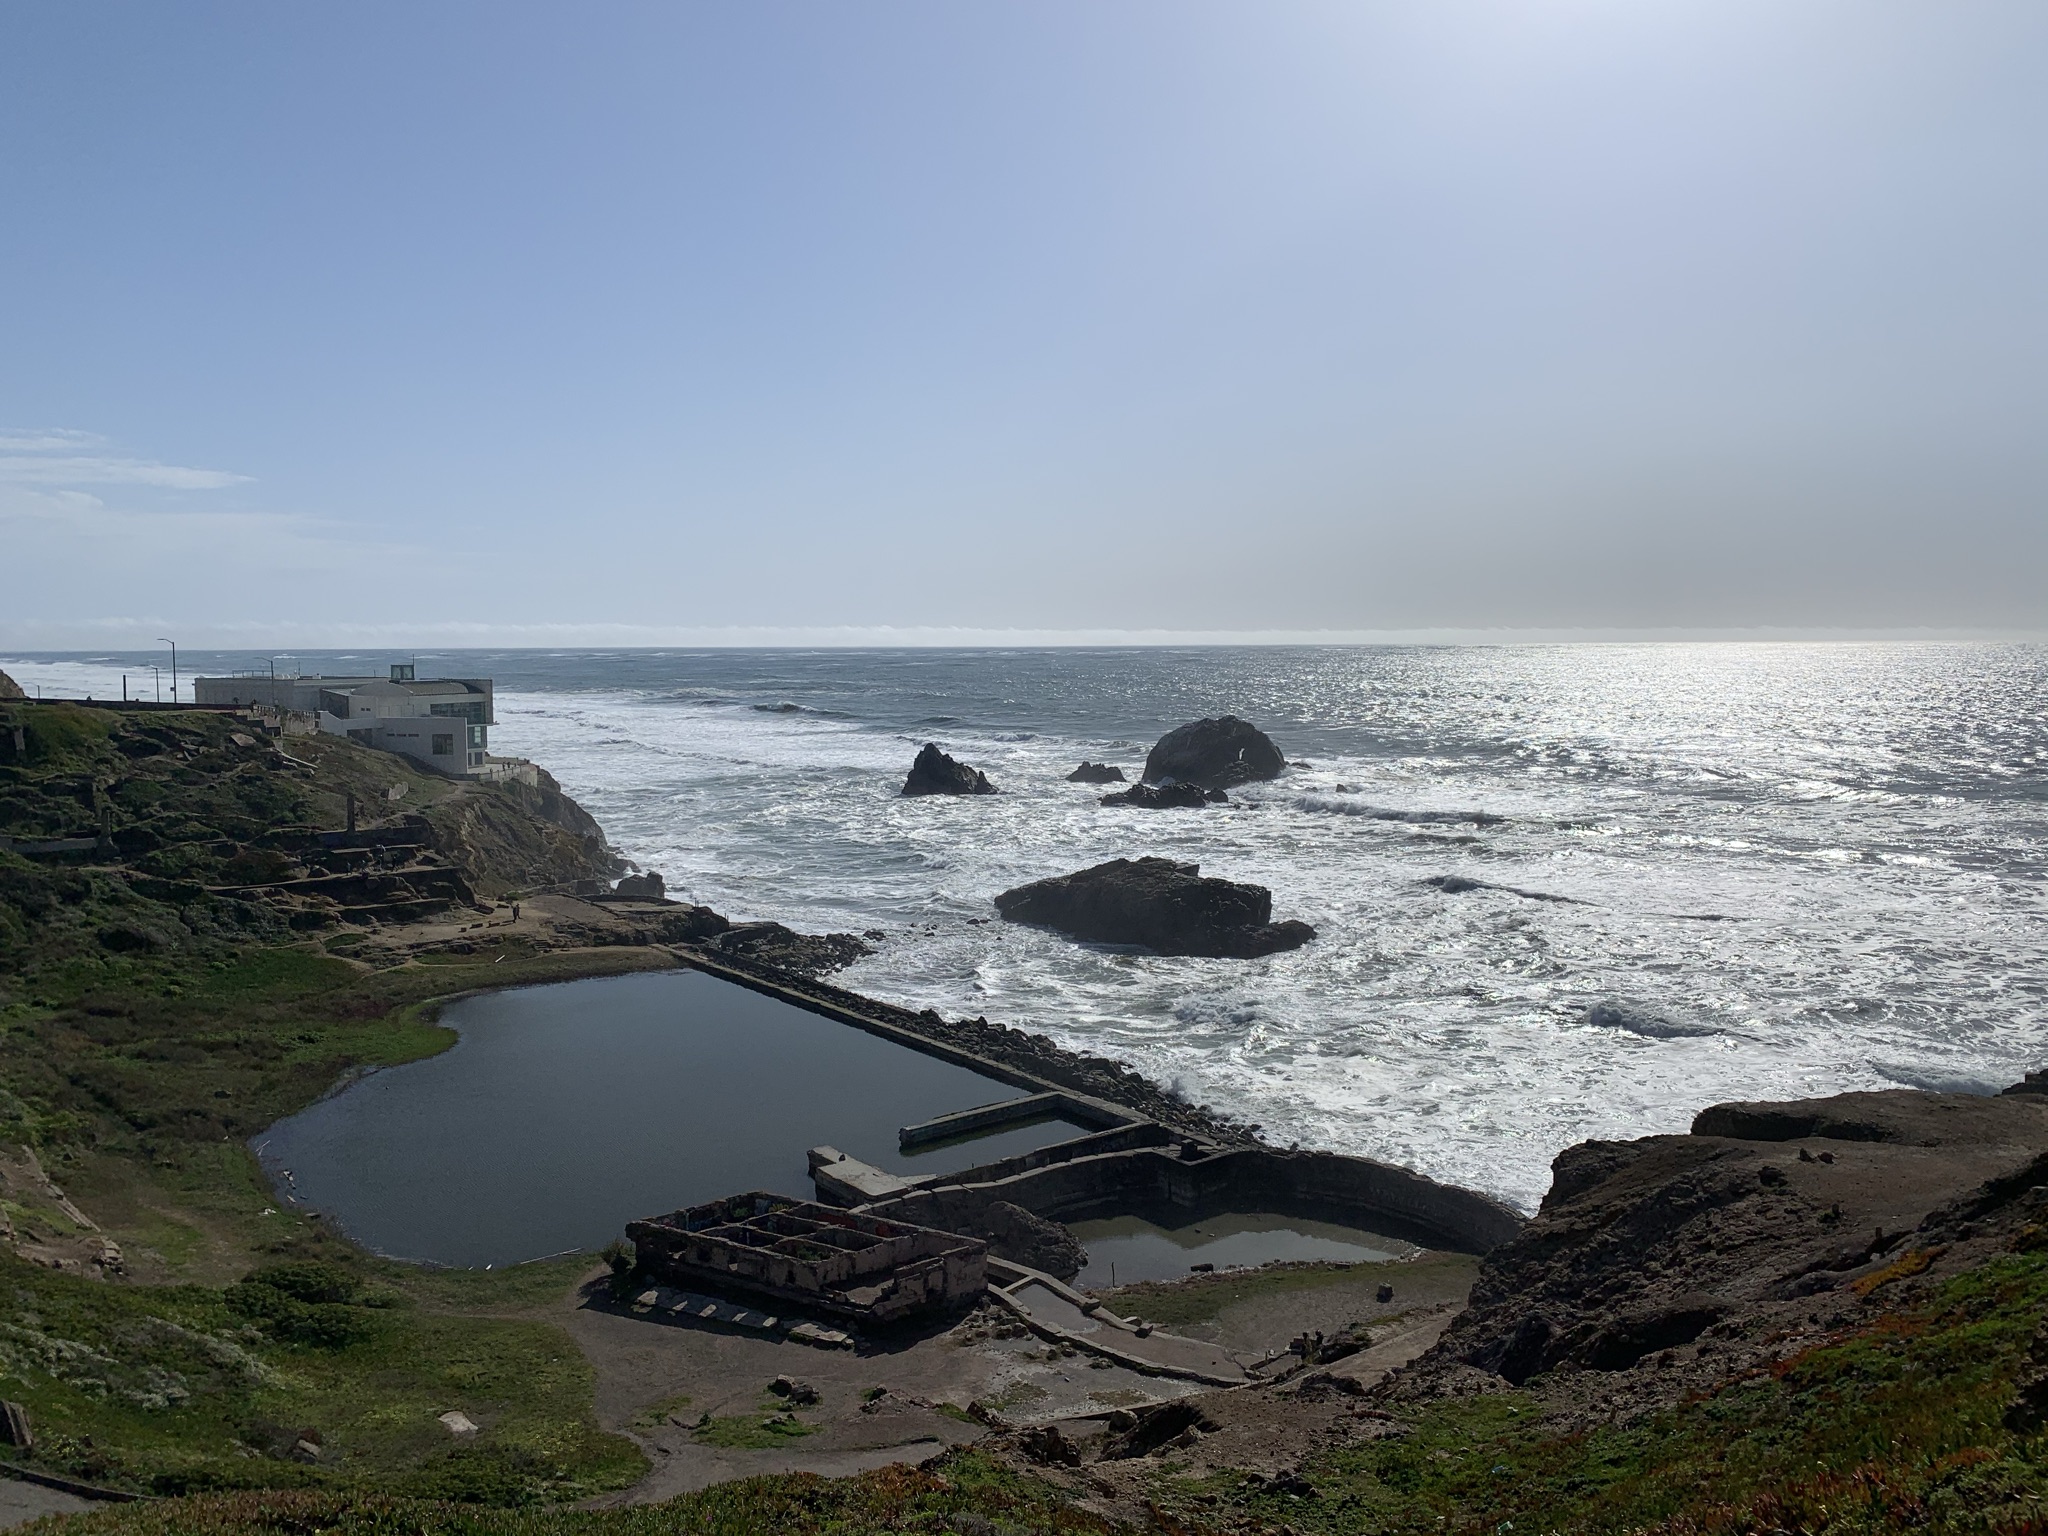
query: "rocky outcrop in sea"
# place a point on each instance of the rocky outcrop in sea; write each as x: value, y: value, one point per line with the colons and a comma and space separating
x: 1096, y: 773
x: 1216, y: 754
x: 935, y: 773
x: 1166, y: 907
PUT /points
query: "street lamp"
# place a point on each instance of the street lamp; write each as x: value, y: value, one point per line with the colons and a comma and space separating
x: 174, y: 666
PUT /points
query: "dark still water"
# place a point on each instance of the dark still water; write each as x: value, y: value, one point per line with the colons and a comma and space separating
x: 566, y: 1111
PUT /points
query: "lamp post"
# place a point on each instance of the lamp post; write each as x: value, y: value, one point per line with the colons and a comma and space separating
x: 174, y: 666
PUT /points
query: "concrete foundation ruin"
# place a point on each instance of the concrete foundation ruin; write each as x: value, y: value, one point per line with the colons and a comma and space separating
x: 818, y: 1257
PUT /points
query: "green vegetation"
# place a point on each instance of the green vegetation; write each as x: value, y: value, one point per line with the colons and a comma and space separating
x: 1898, y: 1425
x: 967, y: 1494
x: 176, y: 1388
x: 774, y: 1424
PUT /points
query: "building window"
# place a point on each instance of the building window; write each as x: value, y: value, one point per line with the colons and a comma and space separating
x: 444, y: 744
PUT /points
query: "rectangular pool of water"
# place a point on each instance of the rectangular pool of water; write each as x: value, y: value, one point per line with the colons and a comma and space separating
x: 565, y: 1111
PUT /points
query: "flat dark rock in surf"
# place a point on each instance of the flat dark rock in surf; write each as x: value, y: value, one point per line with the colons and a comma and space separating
x: 1164, y: 906
x: 1096, y: 773
x: 935, y: 773
x: 1216, y: 754
x: 806, y: 954
x: 1459, y: 885
x: 1168, y: 797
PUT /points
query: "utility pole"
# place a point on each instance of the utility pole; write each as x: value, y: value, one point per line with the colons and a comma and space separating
x: 174, y: 666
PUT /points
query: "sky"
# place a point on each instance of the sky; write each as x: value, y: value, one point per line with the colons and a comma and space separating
x: 508, y: 323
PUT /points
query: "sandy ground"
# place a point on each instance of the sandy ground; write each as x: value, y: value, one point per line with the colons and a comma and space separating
x: 657, y: 1377
x: 1268, y: 1321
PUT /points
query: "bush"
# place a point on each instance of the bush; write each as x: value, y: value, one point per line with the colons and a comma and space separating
x: 624, y: 1262
x: 306, y: 1302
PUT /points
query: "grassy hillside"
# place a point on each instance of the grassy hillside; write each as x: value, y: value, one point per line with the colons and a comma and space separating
x: 161, y: 1322
x: 177, y: 1370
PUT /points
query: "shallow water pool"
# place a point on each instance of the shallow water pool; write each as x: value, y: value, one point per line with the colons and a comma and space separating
x: 1124, y: 1249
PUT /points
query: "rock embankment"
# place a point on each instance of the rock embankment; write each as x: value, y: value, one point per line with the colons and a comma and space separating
x: 1166, y: 907
x: 1657, y: 1265
x: 1216, y: 754
x: 649, y: 916
x: 936, y: 773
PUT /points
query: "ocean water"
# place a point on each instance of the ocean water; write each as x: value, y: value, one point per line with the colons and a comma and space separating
x: 1705, y: 872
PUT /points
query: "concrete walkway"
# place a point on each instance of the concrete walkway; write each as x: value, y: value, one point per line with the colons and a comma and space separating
x: 1056, y: 1311
x: 22, y: 1502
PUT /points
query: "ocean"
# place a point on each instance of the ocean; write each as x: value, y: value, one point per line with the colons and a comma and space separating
x: 1681, y: 874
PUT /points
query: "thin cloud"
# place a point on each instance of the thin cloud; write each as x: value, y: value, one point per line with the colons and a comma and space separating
x: 57, y: 456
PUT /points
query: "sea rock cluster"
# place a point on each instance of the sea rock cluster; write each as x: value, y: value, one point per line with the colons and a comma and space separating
x: 1165, y: 906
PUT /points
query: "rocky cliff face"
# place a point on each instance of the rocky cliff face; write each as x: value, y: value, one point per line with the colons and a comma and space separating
x: 1655, y: 1262
x: 516, y: 837
x: 135, y: 832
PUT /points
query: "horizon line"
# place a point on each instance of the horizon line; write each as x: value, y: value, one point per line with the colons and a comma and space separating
x: 131, y: 635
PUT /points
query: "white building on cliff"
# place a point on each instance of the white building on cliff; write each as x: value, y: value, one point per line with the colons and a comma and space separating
x: 443, y: 722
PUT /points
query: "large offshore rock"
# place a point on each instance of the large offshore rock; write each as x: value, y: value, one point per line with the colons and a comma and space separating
x: 1216, y: 754
x: 934, y: 773
x: 1162, y: 905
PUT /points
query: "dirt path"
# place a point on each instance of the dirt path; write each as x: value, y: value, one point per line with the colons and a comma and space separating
x: 659, y: 1379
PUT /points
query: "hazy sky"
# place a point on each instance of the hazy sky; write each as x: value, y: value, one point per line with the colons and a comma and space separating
x: 498, y: 322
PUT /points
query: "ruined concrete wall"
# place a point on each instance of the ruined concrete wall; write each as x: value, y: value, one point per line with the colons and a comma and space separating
x: 1322, y: 1185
